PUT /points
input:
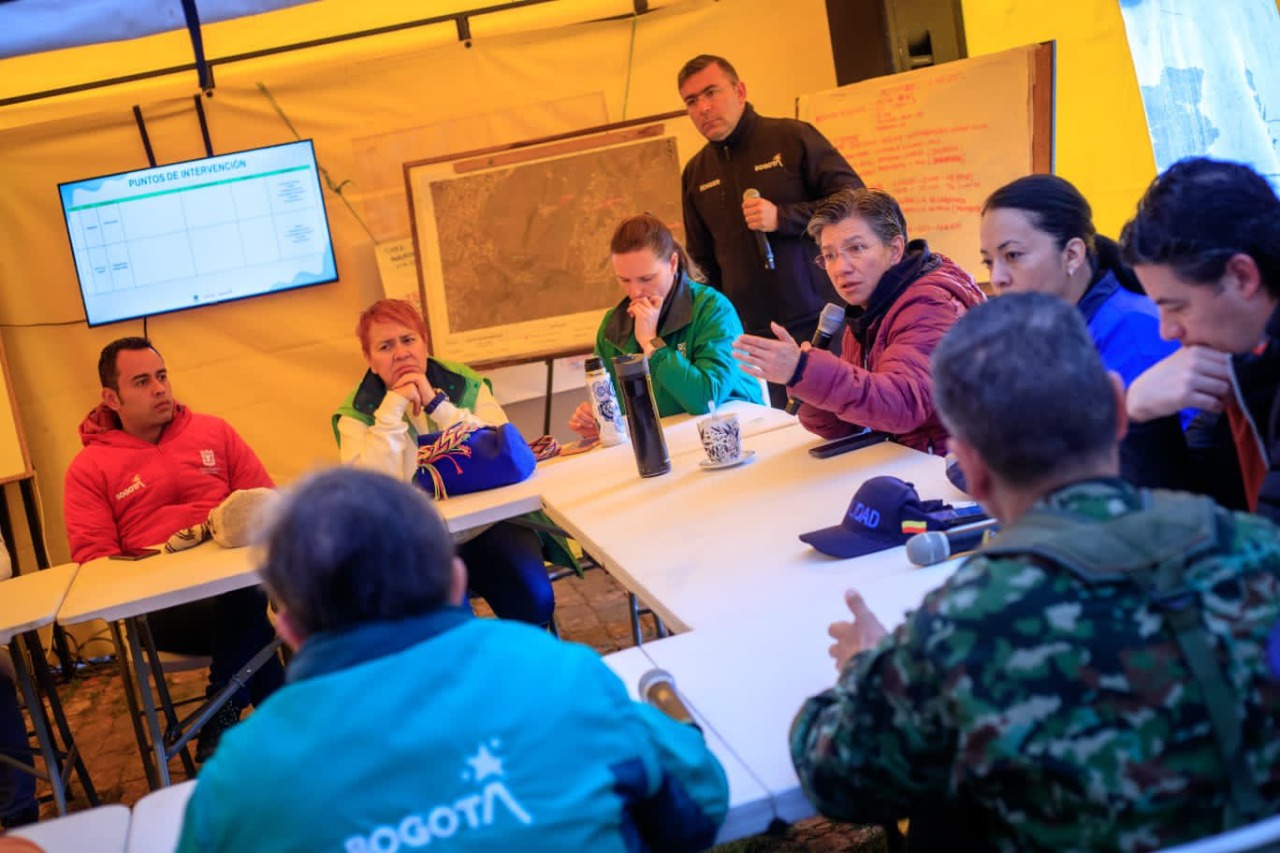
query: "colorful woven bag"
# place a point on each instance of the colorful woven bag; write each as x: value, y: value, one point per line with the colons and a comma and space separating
x: 464, y: 459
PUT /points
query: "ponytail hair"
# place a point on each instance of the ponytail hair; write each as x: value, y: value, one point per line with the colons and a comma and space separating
x: 1057, y: 208
x: 1111, y: 258
x: 647, y: 231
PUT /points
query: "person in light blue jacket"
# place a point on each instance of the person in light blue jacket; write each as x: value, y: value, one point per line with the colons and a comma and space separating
x: 406, y: 720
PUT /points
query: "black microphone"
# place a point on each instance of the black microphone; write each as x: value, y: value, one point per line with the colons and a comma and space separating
x: 762, y: 242
x: 658, y: 688
x: 829, y: 322
x: 935, y: 546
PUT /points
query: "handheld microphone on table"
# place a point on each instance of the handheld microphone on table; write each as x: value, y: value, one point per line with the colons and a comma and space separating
x: 828, y: 324
x: 658, y: 688
x: 762, y: 242
x: 935, y: 546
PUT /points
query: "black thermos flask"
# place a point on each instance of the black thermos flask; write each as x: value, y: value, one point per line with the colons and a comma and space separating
x: 647, y: 440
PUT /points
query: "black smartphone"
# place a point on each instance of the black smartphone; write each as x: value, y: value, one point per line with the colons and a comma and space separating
x: 956, y: 516
x: 866, y: 438
x: 140, y: 554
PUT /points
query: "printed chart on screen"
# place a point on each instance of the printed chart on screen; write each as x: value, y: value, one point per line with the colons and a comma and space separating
x: 199, y: 232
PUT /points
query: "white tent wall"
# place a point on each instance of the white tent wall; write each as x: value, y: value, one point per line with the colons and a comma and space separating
x: 276, y: 366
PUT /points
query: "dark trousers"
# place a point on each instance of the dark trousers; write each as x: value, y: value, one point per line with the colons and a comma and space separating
x: 505, y: 568
x: 17, y: 789
x: 231, y: 628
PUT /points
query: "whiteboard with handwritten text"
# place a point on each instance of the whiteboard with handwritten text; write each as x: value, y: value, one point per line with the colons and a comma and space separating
x: 940, y: 139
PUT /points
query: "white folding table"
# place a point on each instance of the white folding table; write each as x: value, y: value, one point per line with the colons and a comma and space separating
x: 157, y: 819
x: 750, y: 806
x: 104, y: 829
x: 126, y: 591
x: 27, y: 603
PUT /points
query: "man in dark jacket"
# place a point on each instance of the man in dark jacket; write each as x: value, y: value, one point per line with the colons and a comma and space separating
x: 792, y: 167
x: 1205, y: 243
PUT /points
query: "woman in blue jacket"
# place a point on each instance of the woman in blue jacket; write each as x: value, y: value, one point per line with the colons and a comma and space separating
x: 1038, y: 234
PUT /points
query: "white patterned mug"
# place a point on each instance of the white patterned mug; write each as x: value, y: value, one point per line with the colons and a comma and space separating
x: 721, y: 438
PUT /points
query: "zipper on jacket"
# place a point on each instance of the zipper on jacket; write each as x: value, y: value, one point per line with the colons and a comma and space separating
x: 728, y: 174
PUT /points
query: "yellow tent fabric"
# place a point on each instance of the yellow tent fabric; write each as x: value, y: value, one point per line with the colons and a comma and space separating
x: 276, y: 366
x: 1102, y: 145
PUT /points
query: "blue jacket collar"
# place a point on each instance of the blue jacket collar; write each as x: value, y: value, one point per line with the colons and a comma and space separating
x: 331, y: 651
x: 1098, y: 293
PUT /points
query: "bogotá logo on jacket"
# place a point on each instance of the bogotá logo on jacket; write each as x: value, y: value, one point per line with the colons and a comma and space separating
x: 486, y: 802
x: 774, y: 162
x: 135, y: 485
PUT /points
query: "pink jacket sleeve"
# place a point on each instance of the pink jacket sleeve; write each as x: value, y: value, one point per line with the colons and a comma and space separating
x: 896, y: 395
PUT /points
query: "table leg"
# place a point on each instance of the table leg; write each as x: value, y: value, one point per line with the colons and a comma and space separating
x: 135, y: 712
x: 31, y: 508
x: 633, y: 608
x: 660, y: 628
x: 140, y: 670
x: 166, y: 703
x: 35, y: 710
x: 551, y: 393
x: 44, y: 679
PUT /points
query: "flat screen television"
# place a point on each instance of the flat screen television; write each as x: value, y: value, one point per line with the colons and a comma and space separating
x: 198, y: 232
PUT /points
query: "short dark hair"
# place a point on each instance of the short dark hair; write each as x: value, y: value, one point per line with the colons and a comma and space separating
x: 108, y: 371
x: 705, y: 60
x: 1199, y: 213
x: 874, y: 206
x: 1020, y: 380
x: 349, y: 547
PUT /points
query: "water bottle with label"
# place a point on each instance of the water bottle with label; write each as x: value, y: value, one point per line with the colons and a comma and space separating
x: 604, y: 404
x: 647, y: 440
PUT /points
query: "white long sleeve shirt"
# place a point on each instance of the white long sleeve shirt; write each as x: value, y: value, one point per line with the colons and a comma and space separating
x: 390, y: 447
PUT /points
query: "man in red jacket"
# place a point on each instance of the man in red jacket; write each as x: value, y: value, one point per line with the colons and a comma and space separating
x: 149, y: 468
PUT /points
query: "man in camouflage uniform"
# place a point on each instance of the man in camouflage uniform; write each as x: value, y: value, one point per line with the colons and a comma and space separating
x: 1095, y: 678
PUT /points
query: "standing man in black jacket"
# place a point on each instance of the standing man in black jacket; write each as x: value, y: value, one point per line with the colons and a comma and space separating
x: 792, y: 167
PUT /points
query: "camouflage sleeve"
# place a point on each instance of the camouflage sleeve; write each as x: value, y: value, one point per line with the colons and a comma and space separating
x: 879, y: 745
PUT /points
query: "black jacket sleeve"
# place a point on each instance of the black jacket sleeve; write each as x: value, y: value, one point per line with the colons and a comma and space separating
x: 825, y: 170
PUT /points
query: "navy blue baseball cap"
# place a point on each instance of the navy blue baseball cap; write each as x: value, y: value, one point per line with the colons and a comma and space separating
x: 883, y: 514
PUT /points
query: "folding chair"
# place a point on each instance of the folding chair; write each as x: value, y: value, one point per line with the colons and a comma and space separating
x: 157, y: 745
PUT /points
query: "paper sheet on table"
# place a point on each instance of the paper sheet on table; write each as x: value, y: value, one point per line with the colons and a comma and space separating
x: 890, y: 599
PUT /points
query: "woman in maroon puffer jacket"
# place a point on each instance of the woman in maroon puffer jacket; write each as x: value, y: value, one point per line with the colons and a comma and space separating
x: 901, y: 298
